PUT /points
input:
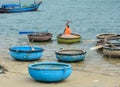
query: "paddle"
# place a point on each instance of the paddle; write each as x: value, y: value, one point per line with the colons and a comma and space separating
x: 106, y: 39
x: 100, y: 46
x: 33, y: 49
x: 96, y: 47
x: 30, y: 32
x: 26, y: 32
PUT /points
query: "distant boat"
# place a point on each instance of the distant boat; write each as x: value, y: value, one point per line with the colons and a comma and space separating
x: 13, y: 8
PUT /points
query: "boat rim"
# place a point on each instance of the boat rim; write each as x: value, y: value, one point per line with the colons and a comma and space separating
x: 82, y: 52
x: 59, y: 36
x: 66, y: 66
x: 28, y: 51
x: 116, y: 48
x: 38, y: 34
x: 99, y: 36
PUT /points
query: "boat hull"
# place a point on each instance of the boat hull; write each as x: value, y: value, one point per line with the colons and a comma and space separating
x: 49, y: 71
x: 110, y: 39
x: 112, y: 51
x: 40, y: 37
x: 70, y: 55
x: 61, y: 39
x: 25, y: 53
x: 22, y: 9
x: 102, y: 36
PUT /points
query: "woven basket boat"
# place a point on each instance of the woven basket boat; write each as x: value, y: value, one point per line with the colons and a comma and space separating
x: 102, y: 36
x: 70, y: 55
x: 110, y: 39
x: 39, y: 37
x: 26, y: 53
x: 49, y: 71
x: 112, y: 51
x: 68, y: 39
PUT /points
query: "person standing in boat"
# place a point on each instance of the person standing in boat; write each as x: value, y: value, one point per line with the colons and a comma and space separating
x: 67, y: 30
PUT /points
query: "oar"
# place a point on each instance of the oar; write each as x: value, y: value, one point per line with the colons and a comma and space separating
x: 33, y: 49
x: 26, y: 32
x: 30, y: 32
x: 96, y: 47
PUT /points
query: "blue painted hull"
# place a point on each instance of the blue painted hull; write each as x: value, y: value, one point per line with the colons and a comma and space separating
x: 49, y: 71
x: 70, y: 56
x: 22, y: 9
x: 25, y: 53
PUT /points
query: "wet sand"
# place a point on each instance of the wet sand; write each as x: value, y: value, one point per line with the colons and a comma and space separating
x: 77, y: 79
x: 17, y: 76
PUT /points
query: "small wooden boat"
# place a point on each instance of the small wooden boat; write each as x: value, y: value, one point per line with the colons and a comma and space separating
x: 112, y: 50
x: 102, y: 36
x: 114, y: 42
x: 39, y: 37
x: 73, y: 38
x: 107, y: 39
x: 70, y: 55
x: 13, y: 8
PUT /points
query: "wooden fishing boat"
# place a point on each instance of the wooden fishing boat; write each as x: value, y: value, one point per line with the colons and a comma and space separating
x: 107, y: 39
x: 105, y: 35
x: 114, y: 42
x: 112, y: 50
x: 73, y: 38
x: 13, y: 8
x: 39, y: 37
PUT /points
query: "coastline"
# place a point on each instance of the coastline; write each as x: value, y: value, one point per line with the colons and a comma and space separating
x: 17, y: 76
x: 77, y: 79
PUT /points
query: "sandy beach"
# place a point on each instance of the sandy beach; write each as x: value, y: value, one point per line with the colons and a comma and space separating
x: 17, y: 76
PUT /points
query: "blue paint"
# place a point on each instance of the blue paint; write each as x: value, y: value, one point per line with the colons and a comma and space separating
x: 49, y: 71
x: 70, y: 57
x: 26, y: 32
x: 25, y: 53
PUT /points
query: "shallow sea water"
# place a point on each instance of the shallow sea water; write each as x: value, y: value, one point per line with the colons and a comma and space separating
x: 89, y: 18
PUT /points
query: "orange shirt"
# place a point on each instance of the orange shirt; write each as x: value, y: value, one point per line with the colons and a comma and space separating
x: 67, y: 31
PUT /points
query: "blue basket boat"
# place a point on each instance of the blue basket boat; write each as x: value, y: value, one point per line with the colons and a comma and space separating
x: 26, y: 53
x: 70, y: 55
x: 49, y: 71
